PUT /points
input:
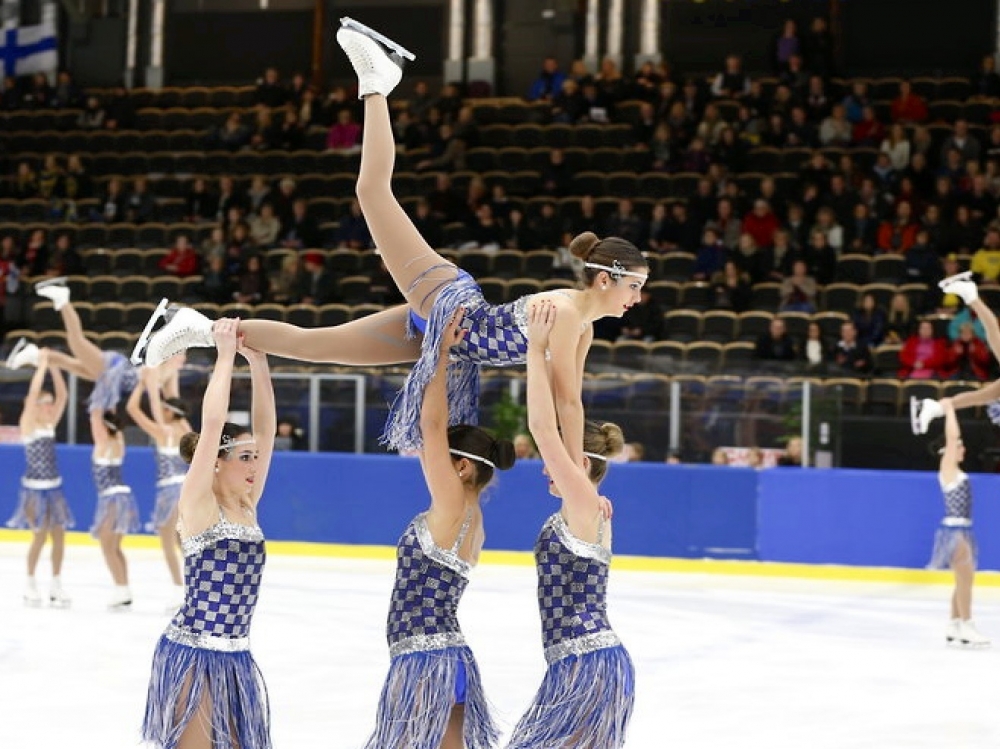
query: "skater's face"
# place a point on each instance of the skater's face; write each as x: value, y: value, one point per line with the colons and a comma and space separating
x: 46, y: 408
x: 618, y: 296
x: 238, y: 467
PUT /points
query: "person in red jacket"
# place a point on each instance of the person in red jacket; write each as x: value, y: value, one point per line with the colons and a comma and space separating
x: 900, y: 234
x: 761, y: 223
x: 969, y: 357
x: 923, y: 357
x: 908, y: 107
x: 181, y: 260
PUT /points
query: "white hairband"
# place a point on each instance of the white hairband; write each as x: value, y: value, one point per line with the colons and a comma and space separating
x: 595, y: 456
x: 179, y: 410
x: 470, y: 456
x: 228, y: 443
x: 616, y: 270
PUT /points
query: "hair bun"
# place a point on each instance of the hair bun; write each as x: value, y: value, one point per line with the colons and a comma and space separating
x: 583, y: 244
x: 187, y: 446
x: 614, y: 439
x: 502, y: 454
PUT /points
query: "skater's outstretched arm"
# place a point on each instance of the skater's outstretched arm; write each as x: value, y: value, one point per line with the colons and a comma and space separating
x: 950, y: 458
x: 29, y: 411
x: 61, y: 394
x: 264, y: 417
x: 151, y: 426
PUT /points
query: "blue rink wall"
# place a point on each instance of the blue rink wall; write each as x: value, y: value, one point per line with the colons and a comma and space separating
x: 847, y: 517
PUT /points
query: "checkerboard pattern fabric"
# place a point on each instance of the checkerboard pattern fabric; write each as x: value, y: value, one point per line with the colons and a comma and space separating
x: 495, y: 334
x: 572, y: 589
x: 222, y: 582
x: 428, y: 587
x: 40, y: 456
x: 958, y: 498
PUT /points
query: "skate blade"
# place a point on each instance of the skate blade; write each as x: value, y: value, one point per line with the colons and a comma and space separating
x: 18, y: 348
x: 139, y: 352
x: 120, y: 607
x: 944, y: 283
x: 915, y: 415
x: 58, y: 281
x: 59, y: 604
x: 399, y: 49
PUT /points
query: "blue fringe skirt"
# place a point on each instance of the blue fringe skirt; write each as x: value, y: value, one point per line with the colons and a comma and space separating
x: 585, y: 702
x: 122, y: 506
x: 118, y: 378
x: 418, y: 696
x: 42, y: 508
x: 945, y: 541
x: 493, y: 337
x: 166, y: 502
x: 240, y: 718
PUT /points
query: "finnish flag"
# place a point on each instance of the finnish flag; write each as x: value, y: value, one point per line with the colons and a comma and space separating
x: 28, y: 49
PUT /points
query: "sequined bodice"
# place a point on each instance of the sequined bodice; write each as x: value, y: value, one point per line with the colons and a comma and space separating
x: 572, y: 586
x: 169, y: 463
x: 429, y: 584
x: 222, y: 571
x: 40, y: 455
x: 497, y: 334
x: 958, y: 498
x: 107, y: 474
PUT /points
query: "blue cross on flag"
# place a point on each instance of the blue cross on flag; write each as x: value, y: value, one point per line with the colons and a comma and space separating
x: 28, y: 49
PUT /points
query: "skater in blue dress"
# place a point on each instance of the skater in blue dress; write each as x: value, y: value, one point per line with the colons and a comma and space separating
x: 955, y: 542
x: 586, y: 697
x: 614, y: 271
x: 165, y: 428
x: 117, y: 512
x: 42, y: 506
x: 205, y: 690
x: 433, y: 696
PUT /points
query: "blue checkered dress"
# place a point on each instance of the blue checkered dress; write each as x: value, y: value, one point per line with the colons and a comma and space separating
x: 114, y: 497
x: 207, y: 644
x: 41, y: 503
x: 118, y: 378
x: 496, y: 335
x: 589, y: 686
x: 956, y: 524
x: 431, y: 667
x: 170, y: 472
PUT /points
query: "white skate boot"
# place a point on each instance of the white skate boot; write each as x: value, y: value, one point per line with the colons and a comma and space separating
x: 951, y: 632
x: 377, y: 60
x: 185, y: 328
x: 922, y: 413
x: 57, y: 596
x: 23, y: 354
x: 121, y: 599
x: 962, y: 285
x: 970, y: 637
x: 54, y: 289
x: 31, y: 596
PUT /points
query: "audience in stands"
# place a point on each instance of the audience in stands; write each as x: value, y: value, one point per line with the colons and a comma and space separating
x: 924, y: 356
x: 850, y: 355
x: 776, y: 344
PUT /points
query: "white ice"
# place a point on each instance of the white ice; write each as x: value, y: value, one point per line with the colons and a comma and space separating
x: 721, y: 661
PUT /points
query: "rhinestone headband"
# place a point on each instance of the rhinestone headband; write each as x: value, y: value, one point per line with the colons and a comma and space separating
x: 616, y: 270
x: 595, y: 456
x: 174, y: 409
x: 228, y: 443
x: 470, y: 456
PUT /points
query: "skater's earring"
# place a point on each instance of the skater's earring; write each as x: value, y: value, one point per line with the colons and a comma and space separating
x: 217, y: 469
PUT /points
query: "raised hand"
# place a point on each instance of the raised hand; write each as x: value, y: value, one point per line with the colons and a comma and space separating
x: 224, y: 331
x: 541, y: 318
x: 454, y: 332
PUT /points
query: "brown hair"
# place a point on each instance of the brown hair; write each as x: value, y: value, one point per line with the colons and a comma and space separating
x: 479, y: 442
x: 189, y: 442
x: 605, y: 440
x: 592, y: 249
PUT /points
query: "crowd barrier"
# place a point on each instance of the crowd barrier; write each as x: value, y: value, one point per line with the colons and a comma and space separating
x: 844, y: 517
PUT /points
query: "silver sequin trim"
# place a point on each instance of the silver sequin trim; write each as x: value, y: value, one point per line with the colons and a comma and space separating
x: 424, y: 643
x: 954, y: 522
x: 171, y: 451
x: 224, y: 529
x: 40, y: 434
x: 120, y: 489
x: 41, y: 484
x: 170, y: 481
x: 581, y: 645
x: 520, y: 314
x: 442, y: 556
x: 206, y: 641
x: 575, y: 545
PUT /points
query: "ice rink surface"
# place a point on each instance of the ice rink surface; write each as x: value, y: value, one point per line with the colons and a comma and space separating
x: 721, y: 661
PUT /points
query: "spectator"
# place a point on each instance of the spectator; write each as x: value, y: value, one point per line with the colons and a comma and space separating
x: 316, y: 284
x: 65, y: 260
x: 798, y: 291
x: 731, y: 288
x: 517, y: 233
x: 730, y: 151
x: 898, y: 235
x: 961, y: 140
x: 776, y: 344
x: 643, y: 321
x: 181, y: 260
x: 732, y: 82
x: 262, y: 129
x: 232, y: 134
x: 549, y: 81
x: 216, y: 285
x: 679, y: 233
x: 644, y: 125
x: 284, y: 288
x: 855, y: 102
x: 290, y: 436
x: 869, y: 321
x: 447, y: 153
x: 113, y: 203
x: 923, y: 356
x: 352, y: 232
x: 799, y: 132
x: 726, y: 224
x: 720, y: 457
x: 695, y: 159
x: 557, y: 175
x: 710, y: 128
x: 826, y: 222
x: 265, y: 227
x: 427, y: 224
x: 982, y: 204
x: 869, y: 133
x: 202, y: 205
x: 964, y: 234
x: 546, y: 228
x: 214, y: 244
x: 814, y: 349
x: 923, y: 264
x: 120, y: 110
x: 986, y: 82
x: 66, y: 94
x: 969, y: 357
x: 289, y: 134
x: 568, y: 105
x: 141, y: 205
x: 259, y: 192
x: 270, y: 92
x: 301, y: 230
x: 817, y: 48
x: 899, y: 321
x: 345, y: 134
x: 860, y: 232
x: 908, y: 108
x: 775, y: 262
x: 761, y: 223
x: 26, y: 182
x: 986, y: 260
x: 310, y: 110
x: 851, y: 355
x: 897, y: 146
x: 627, y: 224
x: 383, y: 288
x: 253, y: 284
x: 92, y: 116
x: 785, y: 46
x: 486, y: 233
x: 76, y: 181
x: 966, y: 316
x: 792, y: 457
x: 835, y: 131
x: 711, y: 256
x: 948, y: 303
x: 821, y: 258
